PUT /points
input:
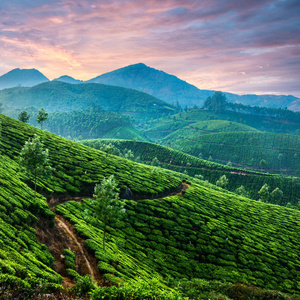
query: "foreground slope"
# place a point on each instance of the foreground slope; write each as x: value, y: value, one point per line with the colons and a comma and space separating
x: 194, y: 233
x: 24, y: 262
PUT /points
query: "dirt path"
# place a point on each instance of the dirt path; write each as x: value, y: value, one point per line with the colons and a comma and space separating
x: 63, y: 236
x: 75, y: 244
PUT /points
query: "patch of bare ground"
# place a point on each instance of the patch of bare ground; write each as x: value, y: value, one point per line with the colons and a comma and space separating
x: 63, y: 236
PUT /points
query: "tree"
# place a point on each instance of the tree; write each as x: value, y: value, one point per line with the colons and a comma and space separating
x: 109, y: 208
x: 264, y: 193
x: 34, y: 159
x: 263, y: 164
x: 276, y: 196
x: 216, y: 103
x: 24, y: 116
x: 222, y: 182
x: 241, y: 191
x: 41, y: 117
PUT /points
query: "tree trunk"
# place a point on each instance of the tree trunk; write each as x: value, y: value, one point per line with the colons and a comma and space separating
x: 35, y: 185
x: 104, y: 232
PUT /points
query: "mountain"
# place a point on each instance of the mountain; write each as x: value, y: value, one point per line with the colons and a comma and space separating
x: 68, y: 79
x: 175, y: 238
x: 22, y: 77
x: 156, y: 83
x: 61, y: 96
x: 172, y: 89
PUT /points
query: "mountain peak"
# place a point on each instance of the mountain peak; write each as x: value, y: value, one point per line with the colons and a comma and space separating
x: 22, y: 77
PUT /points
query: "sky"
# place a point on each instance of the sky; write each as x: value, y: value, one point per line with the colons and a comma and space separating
x: 229, y: 45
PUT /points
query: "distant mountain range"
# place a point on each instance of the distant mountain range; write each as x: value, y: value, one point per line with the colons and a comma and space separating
x: 153, y: 82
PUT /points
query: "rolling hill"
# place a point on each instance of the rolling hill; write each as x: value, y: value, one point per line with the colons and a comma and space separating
x: 160, y: 128
x: 280, y: 152
x: 171, y: 228
x: 189, y: 165
x: 60, y: 96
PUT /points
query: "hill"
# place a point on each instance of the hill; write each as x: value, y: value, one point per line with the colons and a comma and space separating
x: 169, y: 229
x: 209, y: 171
x: 60, y: 96
x: 68, y: 79
x: 176, y: 130
x: 288, y: 122
x: 22, y: 77
x: 280, y: 152
x: 172, y: 89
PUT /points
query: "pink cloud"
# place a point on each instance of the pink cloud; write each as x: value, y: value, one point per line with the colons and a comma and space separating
x: 208, y: 43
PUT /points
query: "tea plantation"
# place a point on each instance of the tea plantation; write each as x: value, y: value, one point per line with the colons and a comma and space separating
x: 199, y: 232
x: 204, y: 234
x: 280, y: 152
x: 181, y: 162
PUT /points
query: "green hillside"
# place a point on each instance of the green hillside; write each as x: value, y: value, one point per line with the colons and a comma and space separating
x: 289, y: 123
x: 63, y: 97
x: 193, y: 166
x: 128, y: 133
x: 24, y: 262
x: 207, y: 127
x: 170, y: 229
x: 280, y: 152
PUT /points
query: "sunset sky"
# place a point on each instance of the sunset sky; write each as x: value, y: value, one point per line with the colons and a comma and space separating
x: 236, y: 46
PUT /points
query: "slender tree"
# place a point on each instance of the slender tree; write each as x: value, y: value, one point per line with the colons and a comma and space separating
x: 264, y: 193
x: 276, y: 195
x: 34, y: 159
x: 222, y: 182
x: 24, y: 116
x: 109, y: 208
x: 41, y: 117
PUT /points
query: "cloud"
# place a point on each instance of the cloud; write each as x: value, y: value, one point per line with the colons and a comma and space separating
x: 210, y: 43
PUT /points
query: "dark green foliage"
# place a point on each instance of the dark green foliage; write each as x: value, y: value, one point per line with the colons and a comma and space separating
x: 222, y: 182
x: 108, y: 207
x: 215, y: 103
x: 69, y: 259
x: 41, y: 117
x: 34, y: 159
x: 264, y: 193
x: 24, y: 116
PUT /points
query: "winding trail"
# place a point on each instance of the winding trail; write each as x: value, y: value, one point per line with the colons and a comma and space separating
x: 64, y: 236
x: 75, y: 245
